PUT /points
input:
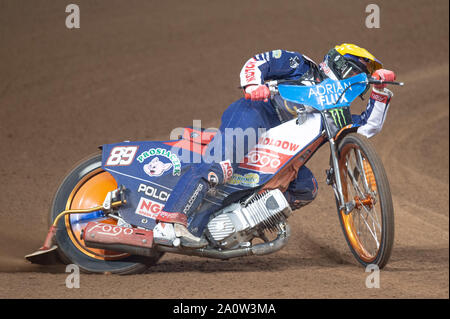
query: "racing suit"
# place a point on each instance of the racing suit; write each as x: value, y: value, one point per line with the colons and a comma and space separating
x: 246, y: 114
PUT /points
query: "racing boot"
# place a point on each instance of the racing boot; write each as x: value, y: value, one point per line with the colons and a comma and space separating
x: 164, y: 234
x: 187, y: 239
x: 169, y: 234
x: 302, y: 190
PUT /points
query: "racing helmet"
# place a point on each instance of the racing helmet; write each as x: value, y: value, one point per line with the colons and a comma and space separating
x: 346, y: 60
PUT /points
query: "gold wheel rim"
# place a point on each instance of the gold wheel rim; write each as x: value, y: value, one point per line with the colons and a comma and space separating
x: 90, y: 192
x: 347, y: 219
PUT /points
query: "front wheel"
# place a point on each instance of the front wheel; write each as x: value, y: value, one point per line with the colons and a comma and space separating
x: 369, y: 227
x: 86, y: 186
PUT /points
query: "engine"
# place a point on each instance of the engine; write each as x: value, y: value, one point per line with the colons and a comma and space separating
x: 240, y: 222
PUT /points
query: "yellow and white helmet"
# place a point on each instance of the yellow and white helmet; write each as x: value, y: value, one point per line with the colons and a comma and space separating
x: 346, y: 60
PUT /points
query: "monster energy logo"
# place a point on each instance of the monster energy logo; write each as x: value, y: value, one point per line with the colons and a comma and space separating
x: 337, y: 114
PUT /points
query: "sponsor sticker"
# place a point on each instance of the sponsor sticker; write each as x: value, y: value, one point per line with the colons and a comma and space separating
x: 227, y: 169
x: 110, y: 230
x: 326, y: 69
x: 280, y: 145
x: 250, y: 180
x: 157, y: 168
x: 294, y: 62
x: 329, y: 93
x: 379, y: 97
x: 193, y: 198
x: 151, y: 191
x: 264, y: 161
x: 148, y: 208
x: 338, y: 117
x: 121, y: 155
x: 250, y: 70
x: 276, y: 54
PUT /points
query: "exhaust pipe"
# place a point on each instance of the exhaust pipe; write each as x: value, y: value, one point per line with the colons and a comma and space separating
x: 134, y: 241
x: 140, y: 242
x: 257, y: 250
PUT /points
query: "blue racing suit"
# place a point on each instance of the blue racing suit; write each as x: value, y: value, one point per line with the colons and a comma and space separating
x: 246, y: 114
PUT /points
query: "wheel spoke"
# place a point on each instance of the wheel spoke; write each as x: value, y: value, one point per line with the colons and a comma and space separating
x: 374, y: 236
x: 367, y: 225
x: 370, y: 214
x: 362, y: 170
x: 355, y: 183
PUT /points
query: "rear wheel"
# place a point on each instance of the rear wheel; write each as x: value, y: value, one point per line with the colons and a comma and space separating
x: 369, y: 227
x: 86, y: 186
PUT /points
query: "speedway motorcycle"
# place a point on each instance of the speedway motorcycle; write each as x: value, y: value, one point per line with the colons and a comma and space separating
x: 104, y: 211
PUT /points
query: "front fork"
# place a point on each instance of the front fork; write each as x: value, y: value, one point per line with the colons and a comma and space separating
x: 334, y: 179
x: 334, y: 173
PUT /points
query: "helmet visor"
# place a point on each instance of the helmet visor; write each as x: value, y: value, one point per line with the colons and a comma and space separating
x: 352, y: 69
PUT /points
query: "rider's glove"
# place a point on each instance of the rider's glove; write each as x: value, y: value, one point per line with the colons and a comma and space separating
x: 257, y: 93
x: 384, y: 75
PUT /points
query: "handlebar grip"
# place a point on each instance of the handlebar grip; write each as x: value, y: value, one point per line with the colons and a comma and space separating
x: 375, y: 81
x: 394, y: 83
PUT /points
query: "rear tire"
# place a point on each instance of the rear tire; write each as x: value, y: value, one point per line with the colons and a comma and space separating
x: 369, y: 227
x: 70, y: 247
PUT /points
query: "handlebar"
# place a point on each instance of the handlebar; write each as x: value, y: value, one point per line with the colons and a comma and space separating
x: 273, y: 85
x: 375, y: 81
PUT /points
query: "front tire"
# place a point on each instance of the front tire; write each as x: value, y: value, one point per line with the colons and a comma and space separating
x: 85, y: 187
x: 369, y: 227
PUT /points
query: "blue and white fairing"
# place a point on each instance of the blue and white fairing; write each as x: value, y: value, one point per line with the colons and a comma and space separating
x: 327, y: 94
x: 150, y: 170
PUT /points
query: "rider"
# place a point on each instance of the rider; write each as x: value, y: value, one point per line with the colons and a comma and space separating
x: 259, y: 111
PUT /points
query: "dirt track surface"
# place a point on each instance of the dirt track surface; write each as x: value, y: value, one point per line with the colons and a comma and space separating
x: 137, y: 69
